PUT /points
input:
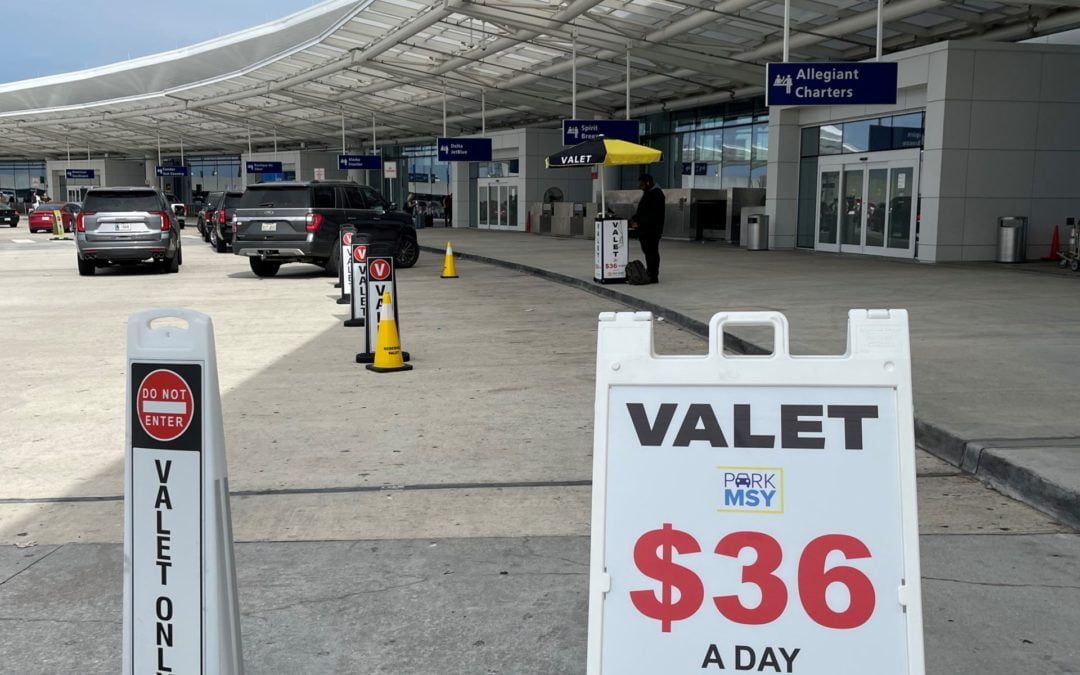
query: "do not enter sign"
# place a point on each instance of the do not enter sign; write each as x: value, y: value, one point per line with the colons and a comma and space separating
x: 360, y: 253
x: 379, y: 270
x: 165, y: 405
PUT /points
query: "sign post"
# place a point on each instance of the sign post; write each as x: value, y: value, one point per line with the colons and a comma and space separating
x: 379, y: 278
x: 609, y: 263
x: 844, y: 83
x: 579, y: 131
x: 344, y: 281
x: 263, y: 167
x: 754, y: 513
x: 464, y: 149
x: 180, y: 601
x: 358, y: 275
x: 364, y: 162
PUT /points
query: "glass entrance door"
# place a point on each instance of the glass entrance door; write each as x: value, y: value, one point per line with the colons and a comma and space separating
x: 497, y: 202
x: 867, y: 207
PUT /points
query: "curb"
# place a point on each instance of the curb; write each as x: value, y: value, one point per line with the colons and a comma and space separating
x: 974, y: 457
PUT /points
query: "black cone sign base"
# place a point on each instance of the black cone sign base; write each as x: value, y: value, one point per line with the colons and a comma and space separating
x: 374, y: 368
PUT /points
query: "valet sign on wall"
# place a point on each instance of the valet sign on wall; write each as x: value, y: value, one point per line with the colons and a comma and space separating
x: 755, y: 514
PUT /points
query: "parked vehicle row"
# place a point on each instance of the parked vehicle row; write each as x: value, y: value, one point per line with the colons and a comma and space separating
x: 270, y: 224
x: 41, y: 218
x: 125, y: 226
x: 8, y: 215
x: 279, y: 223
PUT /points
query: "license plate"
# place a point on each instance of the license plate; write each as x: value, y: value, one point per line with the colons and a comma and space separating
x: 123, y: 227
x: 269, y: 227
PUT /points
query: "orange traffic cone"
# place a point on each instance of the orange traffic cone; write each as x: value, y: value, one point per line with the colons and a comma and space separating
x: 449, y: 270
x: 1055, y: 245
x: 388, y: 357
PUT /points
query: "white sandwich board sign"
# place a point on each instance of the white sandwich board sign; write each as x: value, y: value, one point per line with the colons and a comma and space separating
x: 754, y: 513
x: 180, y: 602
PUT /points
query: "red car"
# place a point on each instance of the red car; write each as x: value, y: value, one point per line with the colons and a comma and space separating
x: 41, y: 218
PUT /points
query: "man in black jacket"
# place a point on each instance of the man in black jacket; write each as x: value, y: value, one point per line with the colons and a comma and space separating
x: 649, y: 223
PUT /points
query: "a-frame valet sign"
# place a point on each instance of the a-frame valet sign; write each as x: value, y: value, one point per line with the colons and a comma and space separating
x: 754, y: 513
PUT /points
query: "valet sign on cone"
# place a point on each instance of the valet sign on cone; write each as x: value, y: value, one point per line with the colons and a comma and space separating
x: 754, y: 513
x: 380, y: 280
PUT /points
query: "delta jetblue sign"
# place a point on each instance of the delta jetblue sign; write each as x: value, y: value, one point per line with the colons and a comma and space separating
x: 830, y: 83
x: 464, y: 149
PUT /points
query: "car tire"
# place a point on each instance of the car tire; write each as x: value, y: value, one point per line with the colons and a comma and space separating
x: 216, y: 241
x: 86, y: 268
x: 407, y: 254
x: 170, y: 265
x: 263, y: 268
x: 330, y: 269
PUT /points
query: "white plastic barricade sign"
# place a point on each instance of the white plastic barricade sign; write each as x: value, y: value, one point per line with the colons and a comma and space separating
x: 379, y: 279
x: 180, y: 602
x: 358, y: 276
x: 754, y: 513
x: 609, y: 265
x: 344, y: 268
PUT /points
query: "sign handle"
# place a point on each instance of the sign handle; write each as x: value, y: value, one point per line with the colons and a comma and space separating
x: 722, y: 320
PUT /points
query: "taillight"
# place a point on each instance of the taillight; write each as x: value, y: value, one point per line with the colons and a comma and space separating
x: 221, y: 217
x: 314, y: 220
x: 80, y: 226
x: 165, y: 222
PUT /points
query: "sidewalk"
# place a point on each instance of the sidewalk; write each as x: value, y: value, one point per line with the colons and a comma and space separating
x: 996, y: 367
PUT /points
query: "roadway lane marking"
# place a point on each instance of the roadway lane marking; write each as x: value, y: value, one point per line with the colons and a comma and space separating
x: 22, y: 241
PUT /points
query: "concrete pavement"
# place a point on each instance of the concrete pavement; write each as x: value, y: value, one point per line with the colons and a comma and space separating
x: 434, y: 521
x: 995, y: 359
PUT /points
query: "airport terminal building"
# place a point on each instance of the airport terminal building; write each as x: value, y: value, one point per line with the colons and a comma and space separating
x: 983, y: 127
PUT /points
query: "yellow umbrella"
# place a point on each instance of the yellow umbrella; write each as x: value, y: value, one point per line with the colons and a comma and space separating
x: 603, y: 152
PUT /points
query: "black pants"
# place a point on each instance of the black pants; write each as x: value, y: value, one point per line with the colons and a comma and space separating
x: 650, y: 246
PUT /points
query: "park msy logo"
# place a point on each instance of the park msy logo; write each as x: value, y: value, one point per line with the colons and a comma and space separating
x: 752, y: 489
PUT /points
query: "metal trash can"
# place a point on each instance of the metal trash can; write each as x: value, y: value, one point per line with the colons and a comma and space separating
x: 757, y: 232
x: 1012, y: 239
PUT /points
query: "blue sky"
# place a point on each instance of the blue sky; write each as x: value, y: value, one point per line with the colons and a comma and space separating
x: 76, y: 34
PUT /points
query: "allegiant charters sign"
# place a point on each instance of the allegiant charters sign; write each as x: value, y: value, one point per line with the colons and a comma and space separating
x: 830, y: 83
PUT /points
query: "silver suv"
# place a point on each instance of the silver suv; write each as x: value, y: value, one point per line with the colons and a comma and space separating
x: 126, y: 225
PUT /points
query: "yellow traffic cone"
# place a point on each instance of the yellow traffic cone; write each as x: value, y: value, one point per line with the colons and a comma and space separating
x: 58, y: 225
x: 449, y: 271
x: 388, y: 357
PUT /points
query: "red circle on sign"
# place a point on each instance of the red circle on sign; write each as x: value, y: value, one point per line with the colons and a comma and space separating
x: 360, y: 253
x: 379, y: 270
x: 346, y: 238
x: 164, y: 405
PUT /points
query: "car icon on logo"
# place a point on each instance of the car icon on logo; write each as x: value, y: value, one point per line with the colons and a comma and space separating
x: 742, y: 480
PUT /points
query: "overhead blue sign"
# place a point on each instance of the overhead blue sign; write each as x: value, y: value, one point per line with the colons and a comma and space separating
x: 700, y: 168
x: 264, y: 167
x: 79, y: 173
x: 365, y: 162
x: 464, y: 149
x: 579, y: 131
x: 168, y: 171
x: 830, y: 83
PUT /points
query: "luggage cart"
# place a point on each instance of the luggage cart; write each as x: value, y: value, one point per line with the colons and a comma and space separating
x: 1070, y: 255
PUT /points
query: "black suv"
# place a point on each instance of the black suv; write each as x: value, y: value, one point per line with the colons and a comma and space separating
x: 219, y: 219
x: 203, y: 222
x: 286, y: 222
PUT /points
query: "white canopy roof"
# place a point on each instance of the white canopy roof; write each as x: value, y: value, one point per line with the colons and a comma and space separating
x: 296, y: 79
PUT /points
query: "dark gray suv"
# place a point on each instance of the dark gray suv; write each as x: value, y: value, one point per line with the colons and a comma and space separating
x: 276, y: 223
x: 126, y: 225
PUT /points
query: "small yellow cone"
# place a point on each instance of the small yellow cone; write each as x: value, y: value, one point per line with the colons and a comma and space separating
x: 388, y: 358
x: 449, y: 271
x: 58, y: 225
